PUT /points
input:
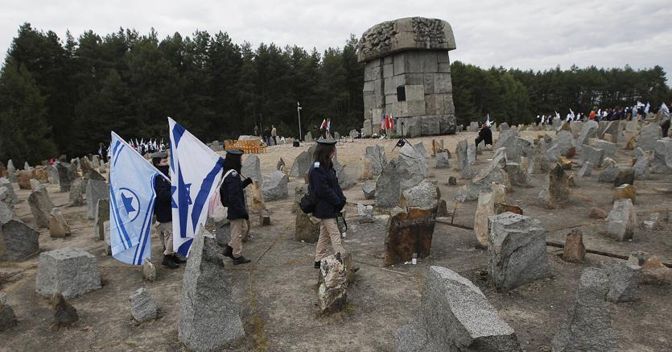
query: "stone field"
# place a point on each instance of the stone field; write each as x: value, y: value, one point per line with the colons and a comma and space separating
x: 508, y: 279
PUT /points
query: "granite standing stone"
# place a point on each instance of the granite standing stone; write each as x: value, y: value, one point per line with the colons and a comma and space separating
x: 486, y: 208
x: 376, y: 156
x: 58, y: 227
x: 388, y: 186
x: 7, y: 316
x: 595, y: 156
x: 411, y: 166
x: 19, y: 241
x: 275, y: 186
x: 65, y: 176
x: 95, y: 190
x: 588, y: 130
x: 6, y: 213
x: 517, y: 252
x: 494, y: 172
x: 369, y: 189
x: 649, y: 135
x: 100, y: 217
x: 40, y: 206
x: 302, y: 164
x: 442, y: 160
x: 574, y: 250
x: 609, y: 174
x: 69, y: 271
x: 143, y: 306
x: 624, y: 281
x: 455, y: 316
x: 589, y: 325
x: 77, y: 190
x: 10, y: 196
x: 332, y: 284
x: 209, y: 317
x: 662, y: 157
x: 622, y: 220
x: 625, y: 176
x: 425, y: 195
x: 251, y: 167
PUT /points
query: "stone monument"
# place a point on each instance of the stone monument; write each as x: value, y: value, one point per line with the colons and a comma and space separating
x: 407, y: 75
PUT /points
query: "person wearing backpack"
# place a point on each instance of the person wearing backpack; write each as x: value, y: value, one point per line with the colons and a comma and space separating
x: 328, y: 198
x: 232, y: 196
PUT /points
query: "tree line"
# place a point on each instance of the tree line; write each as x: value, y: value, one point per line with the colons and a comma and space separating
x: 64, y: 96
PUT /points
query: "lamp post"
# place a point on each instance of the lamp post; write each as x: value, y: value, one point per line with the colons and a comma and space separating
x: 298, y: 114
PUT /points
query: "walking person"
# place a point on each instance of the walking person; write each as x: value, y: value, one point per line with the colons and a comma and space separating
x: 163, y: 211
x: 323, y: 184
x: 232, y: 196
x: 274, y: 135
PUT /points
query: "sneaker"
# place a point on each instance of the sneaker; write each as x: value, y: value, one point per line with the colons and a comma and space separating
x: 228, y: 251
x: 316, y: 265
x: 169, y: 262
x: 240, y: 260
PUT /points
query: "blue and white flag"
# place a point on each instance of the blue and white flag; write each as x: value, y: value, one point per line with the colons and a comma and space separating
x: 131, y: 203
x: 195, y: 171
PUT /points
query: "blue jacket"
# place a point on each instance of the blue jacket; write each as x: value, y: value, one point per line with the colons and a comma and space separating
x: 162, y: 205
x: 232, y: 189
x: 324, y: 185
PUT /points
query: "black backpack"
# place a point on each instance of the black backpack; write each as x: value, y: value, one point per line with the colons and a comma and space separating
x: 308, y: 201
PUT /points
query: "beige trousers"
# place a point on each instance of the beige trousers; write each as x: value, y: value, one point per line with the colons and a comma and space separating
x: 239, y: 231
x: 165, y: 230
x: 329, y: 233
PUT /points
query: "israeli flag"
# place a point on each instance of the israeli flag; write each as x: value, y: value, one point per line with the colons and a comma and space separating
x: 131, y: 203
x: 195, y: 172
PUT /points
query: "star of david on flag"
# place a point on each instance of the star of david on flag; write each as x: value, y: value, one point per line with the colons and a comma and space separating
x: 131, y: 203
x: 195, y: 172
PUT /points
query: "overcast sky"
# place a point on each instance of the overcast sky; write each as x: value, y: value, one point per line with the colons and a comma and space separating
x: 522, y: 34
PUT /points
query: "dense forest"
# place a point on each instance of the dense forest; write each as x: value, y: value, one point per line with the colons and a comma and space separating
x: 65, y: 95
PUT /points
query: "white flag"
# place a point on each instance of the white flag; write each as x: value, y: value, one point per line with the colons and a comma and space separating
x: 195, y: 171
x: 131, y: 203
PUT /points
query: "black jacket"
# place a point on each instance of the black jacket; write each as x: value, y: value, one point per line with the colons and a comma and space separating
x: 232, y: 190
x: 324, y: 185
x: 162, y: 205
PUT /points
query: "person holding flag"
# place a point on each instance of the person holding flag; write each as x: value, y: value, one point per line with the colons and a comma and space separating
x: 132, y: 200
x: 232, y: 196
x: 163, y: 212
x: 195, y: 172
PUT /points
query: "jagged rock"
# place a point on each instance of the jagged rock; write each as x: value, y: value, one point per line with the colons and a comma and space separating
x: 95, y: 190
x: 251, y: 167
x: 76, y: 189
x: 595, y: 156
x: 275, y: 186
x: 409, y: 232
x: 143, y: 306
x: 588, y: 130
x: 369, y: 189
x: 465, y: 159
x: 649, y: 135
x: 562, y: 145
x: 622, y: 220
x: 662, y: 157
x: 574, y: 250
x: 64, y: 313
x: 494, y: 172
x: 100, y: 217
x: 6, y: 213
x: 641, y: 166
x: 7, y: 316
x: 333, y: 283
x: 10, y: 196
x: 609, y: 174
x: 65, y: 175
x: 556, y: 191
x: 345, y: 180
x: 623, y: 282
x: 442, y: 160
x: 209, y: 316
x: 654, y: 271
x: 608, y: 147
x: 302, y: 163
x: 589, y: 325
x: 455, y: 316
x: 23, y: 179
x: 411, y: 166
x: 424, y: 195
x: 69, y: 271
x: 365, y: 212
x: 148, y: 271
x: 517, y: 251
x: 58, y: 227
x: 388, y: 186
x: 517, y: 174
x: 486, y: 208
x: 375, y: 154
x: 19, y: 241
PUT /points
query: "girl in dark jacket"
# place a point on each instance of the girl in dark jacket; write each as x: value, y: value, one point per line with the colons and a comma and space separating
x: 323, y: 184
x: 232, y: 196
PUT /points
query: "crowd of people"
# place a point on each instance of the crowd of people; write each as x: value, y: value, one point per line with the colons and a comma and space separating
x: 639, y: 110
